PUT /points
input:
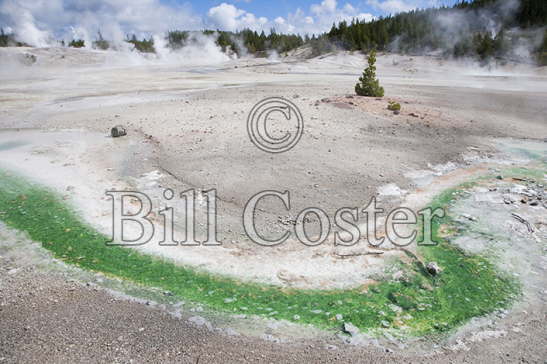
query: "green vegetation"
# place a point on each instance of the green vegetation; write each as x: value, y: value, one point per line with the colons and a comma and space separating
x: 260, y: 43
x: 241, y: 42
x: 255, y: 43
x: 77, y: 43
x: 393, y: 106
x: 420, y: 30
x: 4, y: 38
x: 413, y: 32
x: 320, y: 45
x: 368, y: 83
x: 144, y: 45
x: 542, y: 52
x: 8, y: 40
x: 417, y: 302
x: 101, y: 43
x: 176, y: 39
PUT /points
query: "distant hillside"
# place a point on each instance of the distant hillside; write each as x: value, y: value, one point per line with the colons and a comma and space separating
x: 485, y: 29
x: 501, y: 30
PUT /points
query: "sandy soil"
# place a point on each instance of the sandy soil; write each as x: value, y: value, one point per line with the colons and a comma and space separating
x: 187, y: 129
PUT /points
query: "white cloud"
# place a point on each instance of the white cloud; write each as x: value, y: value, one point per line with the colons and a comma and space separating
x: 321, y: 17
x: 327, y: 6
x: 225, y: 16
x: 391, y: 6
x: 348, y: 8
x: 23, y: 22
x: 228, y: 17
x: 39, y: 22
x: 42, y: 19
x: 365, y: 17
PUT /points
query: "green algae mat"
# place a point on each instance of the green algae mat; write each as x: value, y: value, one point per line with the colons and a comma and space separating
x: 415, y: 304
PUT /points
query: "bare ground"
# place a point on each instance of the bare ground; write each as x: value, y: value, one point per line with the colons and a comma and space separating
x: 46, y: 317
x: 189, y: 122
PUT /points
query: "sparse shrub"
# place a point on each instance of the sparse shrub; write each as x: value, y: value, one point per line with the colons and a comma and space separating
x: 239, y: 42
x: 101, y: 43
x: 226, y: 43
x: 394, y: 106
x: 8, y: 40
x: 368, y: 83
x: 176, y: 39
x: 76, y: 43
x: 144, y: 45
x: 4, y: 38
x: 321, y: 45
x: 484, y: 46
x: 542, y: 51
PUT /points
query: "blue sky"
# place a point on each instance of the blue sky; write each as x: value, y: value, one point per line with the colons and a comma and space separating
x: 39, y: 21
x: 277, y: 8
x: 258, y: 7
x: 301, y: 16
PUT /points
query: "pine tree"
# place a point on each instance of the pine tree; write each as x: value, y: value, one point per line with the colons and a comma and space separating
x: 419, y: 30
x: 3, y: 38
x: 368, y: 83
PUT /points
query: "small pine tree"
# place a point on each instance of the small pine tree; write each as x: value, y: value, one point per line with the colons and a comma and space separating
x: 368, y: 83
x: 3, y: 38
x: 101, y: 43
x: 77, y: 43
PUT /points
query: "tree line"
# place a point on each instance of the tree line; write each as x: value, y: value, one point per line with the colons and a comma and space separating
x: 416, y: 31
x: 241, y: 42
x: 8, y: 40
x: 412, y: 32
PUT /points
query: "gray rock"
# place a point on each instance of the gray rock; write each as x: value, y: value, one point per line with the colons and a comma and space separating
x: 350, y: 329
x: 118, y: 131
x: 433, y: 268
x: 271, y: 338
x: 28, y: 59
x: 469, y: 217
x: 200, y: 321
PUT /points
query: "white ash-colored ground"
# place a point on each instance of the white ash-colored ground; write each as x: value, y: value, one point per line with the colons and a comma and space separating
x: 190, y: 120
x: 48, y: 314
x: 187, y: 129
